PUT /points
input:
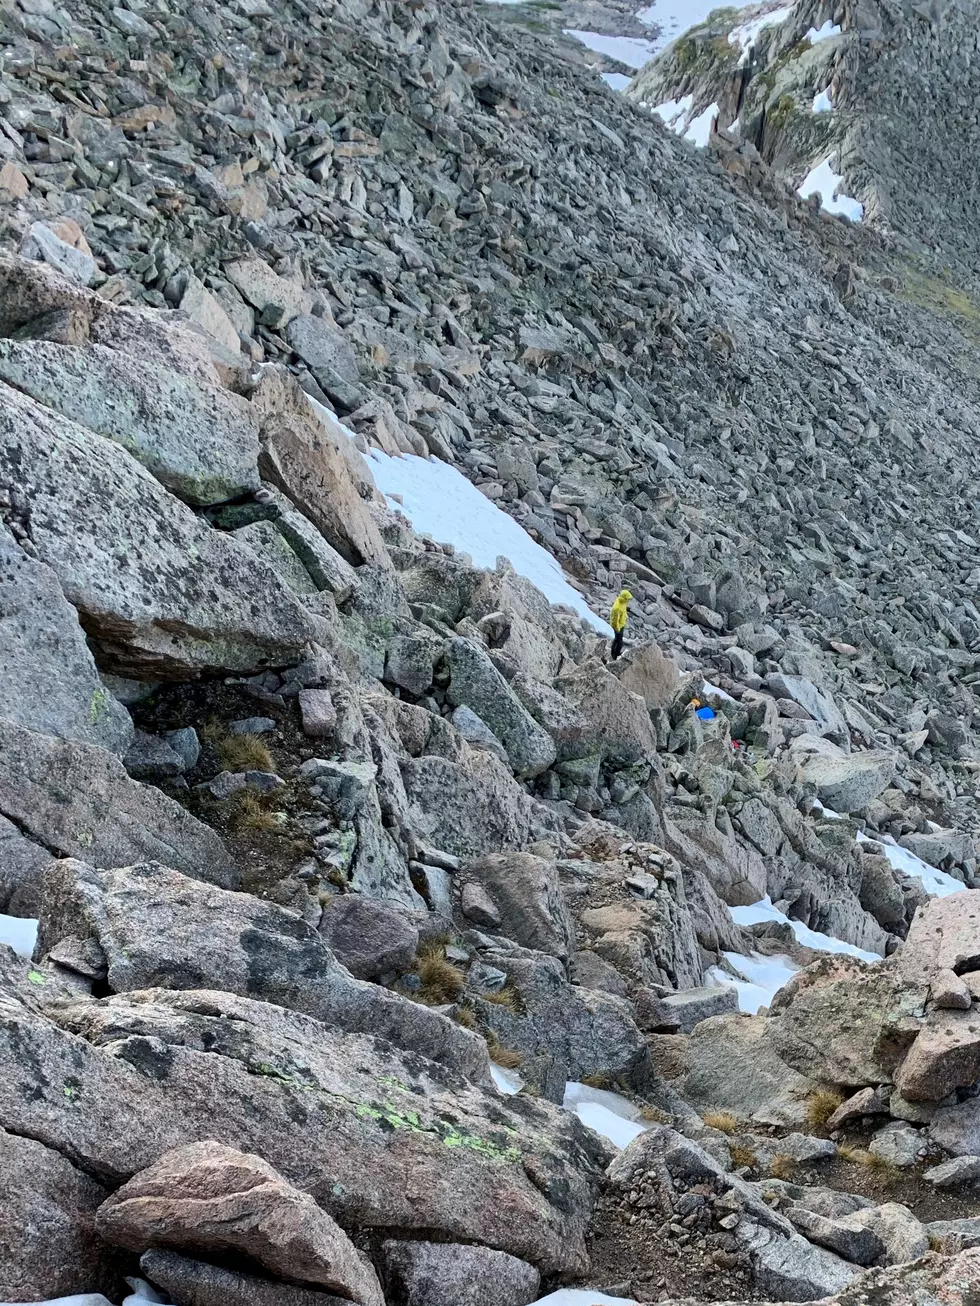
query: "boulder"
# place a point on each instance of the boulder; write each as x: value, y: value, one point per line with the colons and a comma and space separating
x: 321, y: 345
x: 902, y: 1236
x: 615, y: 724
x: 151, y: 758
x: 448, y: 1274
x: 950, y: 1174
x: 467, y: 808
x: 48, y: 1239
x: 956, y: 1127
x: 379, y: 1138
x: 949, y: 992
x: 154, y: 926
x: 900, y: 1144
x: 819, y: 705
x: 213, y: 1200
x: 944, y: 936
x: 77, y: 800
x: 476, y: 683
x: 370, y: 938
x: 875, y: 1017
x: 945, y: 1056
x: 205, y: 310
x: 41, y: 243
x: 791, y: 1268
x: 563, y: 1032
x: 302, y: 455
x: 200, y: 441
x: 29, y: 290
x: 196, y: 1283
x: 277, y: 299
x: 50, y: 682
x: 733, y: 1065
x: 527, y: 895
x: 162, y: 594
x: 854, y: 1241
x: 847, y: 782
x: 682, y: 1011
x: 651, y: 675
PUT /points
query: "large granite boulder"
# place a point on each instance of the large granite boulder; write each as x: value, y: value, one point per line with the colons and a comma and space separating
x: 153, y: 926
x: 161, y: 593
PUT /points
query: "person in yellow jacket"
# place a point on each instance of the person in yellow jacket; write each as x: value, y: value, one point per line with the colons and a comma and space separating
x: 618, y: 618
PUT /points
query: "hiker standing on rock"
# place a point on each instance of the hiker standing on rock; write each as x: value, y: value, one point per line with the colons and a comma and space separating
x: 618, y: 618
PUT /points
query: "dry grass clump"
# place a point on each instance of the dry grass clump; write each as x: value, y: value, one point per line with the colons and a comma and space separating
x: 782, y: 1166
x: 723, y: 1121
x: 506, y: 1057
x: 248, y: 812
x: 509, y: 996
x: 743, y: 1156
x: 655, y: 1116
x: 463, y: 1016
x: 600, y: 1080
x: 877, y: 1165
x: 820, y: 1106
x: 244, y: 753
x: 441, y: 980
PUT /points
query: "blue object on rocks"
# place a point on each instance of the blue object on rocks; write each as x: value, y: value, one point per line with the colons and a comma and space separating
x: 706, y: 713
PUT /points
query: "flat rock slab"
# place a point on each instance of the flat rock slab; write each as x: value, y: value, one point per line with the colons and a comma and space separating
x: 200, y: 441
x: 380, y: 1139
x: 153, y: 925
x: 77, y: 800
x: 165, y: 596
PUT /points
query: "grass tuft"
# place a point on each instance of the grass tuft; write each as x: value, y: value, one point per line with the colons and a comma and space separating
x: 782, y: 1166
x: 441, y: 980
x: 509, y: 996
x: 248, y: 812
x: 506, y: 1057
x: 723, y: 1121
x: 598, y: 1080
x: 244, y: 753
x: 465, y: 1018
x: 820, y: 1106
x: 742, y: 1156
x: 655, y: 1116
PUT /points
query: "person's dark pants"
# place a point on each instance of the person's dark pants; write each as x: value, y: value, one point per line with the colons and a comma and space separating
x: 617, y: 644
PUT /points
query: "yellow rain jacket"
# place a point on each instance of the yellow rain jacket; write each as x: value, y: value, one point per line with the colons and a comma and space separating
x: 618, y: 617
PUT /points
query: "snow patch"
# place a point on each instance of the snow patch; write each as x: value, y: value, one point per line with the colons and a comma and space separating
x: 746, y: 35
x: 582, y: 1297
x: 822, y: 103
x: 675, y: 17
x: 762, y: 978
x: 18, y: 933
x: 763, y: 910
x: 716, y: 691
x: 618, y: 81
x: 507, y: 1081
x: 629, y: 50
x: 440, y: 502
x: 823, y: 181
x: 934, y: 881
x: 674, y: 113
x: 817, y: 34
x: 607, y: 1113
x: 699, y: 130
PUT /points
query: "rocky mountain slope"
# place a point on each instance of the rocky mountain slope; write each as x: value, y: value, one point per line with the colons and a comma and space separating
x: 858, y: 83
x: 376, y: 938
